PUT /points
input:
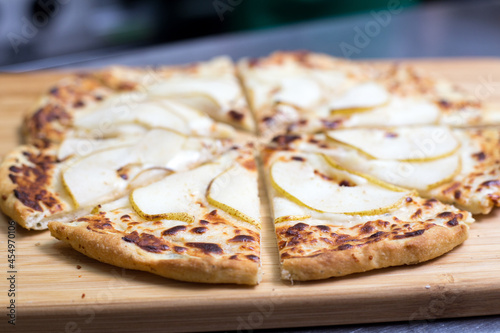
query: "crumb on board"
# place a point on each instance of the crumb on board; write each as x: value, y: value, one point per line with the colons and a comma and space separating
x: 37, y: 244
x: 78, y: 267
x: 83, y: 295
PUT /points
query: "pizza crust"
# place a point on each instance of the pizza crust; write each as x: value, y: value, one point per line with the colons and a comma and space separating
x: 111, y: 249
x: 433, y: 243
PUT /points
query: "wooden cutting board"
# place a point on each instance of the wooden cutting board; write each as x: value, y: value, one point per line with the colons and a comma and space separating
x: 58, y: 289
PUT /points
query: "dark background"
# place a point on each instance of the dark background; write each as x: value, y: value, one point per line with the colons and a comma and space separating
x: 49, y: 33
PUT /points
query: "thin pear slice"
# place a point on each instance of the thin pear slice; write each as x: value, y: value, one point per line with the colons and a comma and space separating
x: 149, y: 176
x: 83, y: 147
x: 176, y: 196
x: 95, y: 177
x: 123, y: 202
x: 235, y: 191
x: 148, y: 113
x: 388, y: 185
x: 397, y: 112
x: 421, y: 176
x: 405, y: 144
x: 299, y: 91
x: 361, y: 98
x: 289, y: 218
x: 158, y: 147
x: 297, y: 181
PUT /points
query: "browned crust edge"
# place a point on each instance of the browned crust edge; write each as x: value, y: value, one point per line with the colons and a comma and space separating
x: 433, y: 243
x: 111, y: 249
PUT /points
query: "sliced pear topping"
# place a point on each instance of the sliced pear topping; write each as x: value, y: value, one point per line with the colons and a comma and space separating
x: 363, y: 97
x: 298, y: 181
x: 235, y: 191
x: 158, y: 147
x: 177, y: 197
x: 148, y: 176
x: 121, y: 203
x: 405, y: 144
x: 299, y: 91
x: 421, y: 176
x: 82, y: 147
x: 290, y: 218
x: 95, y: 177
x: 148, y: 113
x: 397, y: 112
x: 332, y: 162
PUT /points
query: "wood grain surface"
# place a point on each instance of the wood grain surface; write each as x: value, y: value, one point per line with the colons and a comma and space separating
x: 61, y: 290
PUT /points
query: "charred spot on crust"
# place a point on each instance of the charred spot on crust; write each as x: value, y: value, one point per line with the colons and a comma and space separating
x: 377, y: 234
x: 453, y: 222
x: 294, y: 230
x: 325, y: 177
x: 445, y: 214
x: 180, y: 249
x: 417, y: 214
x: 78, y: 104
x: 457, y: 194
x: 429, y: 202
x: 207, y: 248
x: 493, y: 182
x: 409, y: 199
x: 242, y: 238
x: 199, y: 230
x: 213, y: 213
x: 235, y: 115
x: 146, y: 242
x: 367, y: 228
x: 46, y: 115
x: 125, y: 217
x: 323, y: 228
x: 410, y: 234
x: 298, y: 158
x: 391, y: 135
x: 283, y: 140
x: 481, y: 156
x: 204, y: 222
x: 174, y: 230
x: 252, y: 257
x: 345, y: 247
x: 31, y: 180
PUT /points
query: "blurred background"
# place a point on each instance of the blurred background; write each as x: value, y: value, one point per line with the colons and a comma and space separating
x: 59, y: 33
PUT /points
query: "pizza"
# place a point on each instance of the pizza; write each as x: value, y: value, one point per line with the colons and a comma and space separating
x: 300, y: 92
x: 196, y: 225
x: 365, y: 166
x: 331, y: 222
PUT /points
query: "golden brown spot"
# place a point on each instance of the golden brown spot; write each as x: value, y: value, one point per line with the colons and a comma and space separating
x: 417, y: 214
x: 174, y: 230
x: 236, y: 116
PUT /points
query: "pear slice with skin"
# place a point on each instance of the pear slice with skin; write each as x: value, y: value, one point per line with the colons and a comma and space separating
x: 415, y: 144
x: 148, y: 176
x: 290, y: 218
x: 95, y: 177
x: 361, y: 98
x: 332, y: 162
x: 175, y: 197
x: 421, y: 176
x: 225, y: 192
x: 297, y: 181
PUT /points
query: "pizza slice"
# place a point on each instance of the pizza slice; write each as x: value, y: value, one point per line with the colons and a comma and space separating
x: 191, y: 99
x: 330, y: 222
x: 456, y: 166
x: 306, y: 92
x: 60, y: 181
x: 201, y: 225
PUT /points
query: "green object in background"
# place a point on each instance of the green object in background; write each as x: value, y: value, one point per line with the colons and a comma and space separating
x: 256, y: 14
